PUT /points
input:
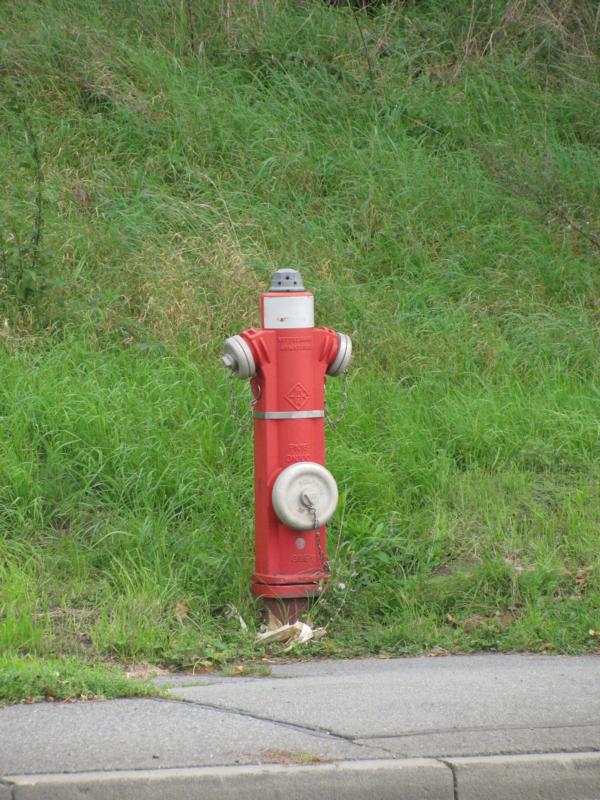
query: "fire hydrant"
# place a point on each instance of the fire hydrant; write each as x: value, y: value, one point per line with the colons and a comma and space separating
x: 287, y: 360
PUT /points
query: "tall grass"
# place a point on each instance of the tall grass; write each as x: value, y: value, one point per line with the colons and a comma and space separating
x: 432, y: 169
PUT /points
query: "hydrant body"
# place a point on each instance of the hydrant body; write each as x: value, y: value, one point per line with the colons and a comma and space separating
x: 294, y: 495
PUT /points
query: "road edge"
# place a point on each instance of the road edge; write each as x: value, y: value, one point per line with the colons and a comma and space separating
x: 554, y: 776
x: 419, y: 779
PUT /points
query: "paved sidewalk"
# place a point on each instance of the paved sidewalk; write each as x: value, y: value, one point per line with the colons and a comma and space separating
x: 455, y: 728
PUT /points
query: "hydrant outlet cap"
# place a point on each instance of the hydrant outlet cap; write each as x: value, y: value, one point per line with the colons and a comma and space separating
x: 237, y: 356
x: 305, y: 496
x: 343, y: 357
x: 286, y: 280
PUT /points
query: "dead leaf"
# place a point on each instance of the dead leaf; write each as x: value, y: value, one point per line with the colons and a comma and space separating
x: 582, y: 575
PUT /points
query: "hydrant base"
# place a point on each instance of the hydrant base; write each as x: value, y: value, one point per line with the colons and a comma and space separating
x: 285, y: 603
x: 299, y: 581
x: 285, y: 591
x: 283, y: 610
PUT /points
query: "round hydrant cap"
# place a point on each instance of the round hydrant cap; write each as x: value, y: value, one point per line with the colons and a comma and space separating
x: 237, y: 356
x: 343, y: 357
x: 286, y: 280
x: 305, y: 495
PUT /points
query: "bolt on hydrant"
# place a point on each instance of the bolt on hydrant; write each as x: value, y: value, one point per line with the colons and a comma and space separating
x: 287, y: 360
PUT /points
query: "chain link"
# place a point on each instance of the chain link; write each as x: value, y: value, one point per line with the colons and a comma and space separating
x: 324, y: 561
x: 344, y: 587
x: 326, y: 565
x: 308, y: 503
x: 246, y: 423
x: 333, y: 422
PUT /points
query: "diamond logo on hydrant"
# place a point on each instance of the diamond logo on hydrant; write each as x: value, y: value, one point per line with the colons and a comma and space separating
x: 297, y: 396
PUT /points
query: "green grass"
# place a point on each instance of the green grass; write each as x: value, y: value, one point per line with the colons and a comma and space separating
x: 32, y: 679
x: 439, y: 192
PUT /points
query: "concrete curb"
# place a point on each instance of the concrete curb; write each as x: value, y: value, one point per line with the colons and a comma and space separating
x: 5, y: 791
x: 410, y: 779
x: 556, y: 776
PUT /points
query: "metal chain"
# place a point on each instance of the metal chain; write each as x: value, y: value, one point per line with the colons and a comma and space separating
x: 308, y: 503
x: 333, y: 422
x: 345, y: 588
x: 246, y: 423
x: 324, y: 561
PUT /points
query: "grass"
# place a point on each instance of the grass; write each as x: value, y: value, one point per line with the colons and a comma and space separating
x: 432, y: 169
x: 31, y: 680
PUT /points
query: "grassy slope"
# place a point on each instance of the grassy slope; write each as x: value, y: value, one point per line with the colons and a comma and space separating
x: 438, y: 191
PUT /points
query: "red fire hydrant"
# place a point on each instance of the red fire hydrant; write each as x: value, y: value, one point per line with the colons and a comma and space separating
x: 287, y: 360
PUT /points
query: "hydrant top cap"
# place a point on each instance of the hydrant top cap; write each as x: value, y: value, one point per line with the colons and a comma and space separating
x: 286, y: 280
